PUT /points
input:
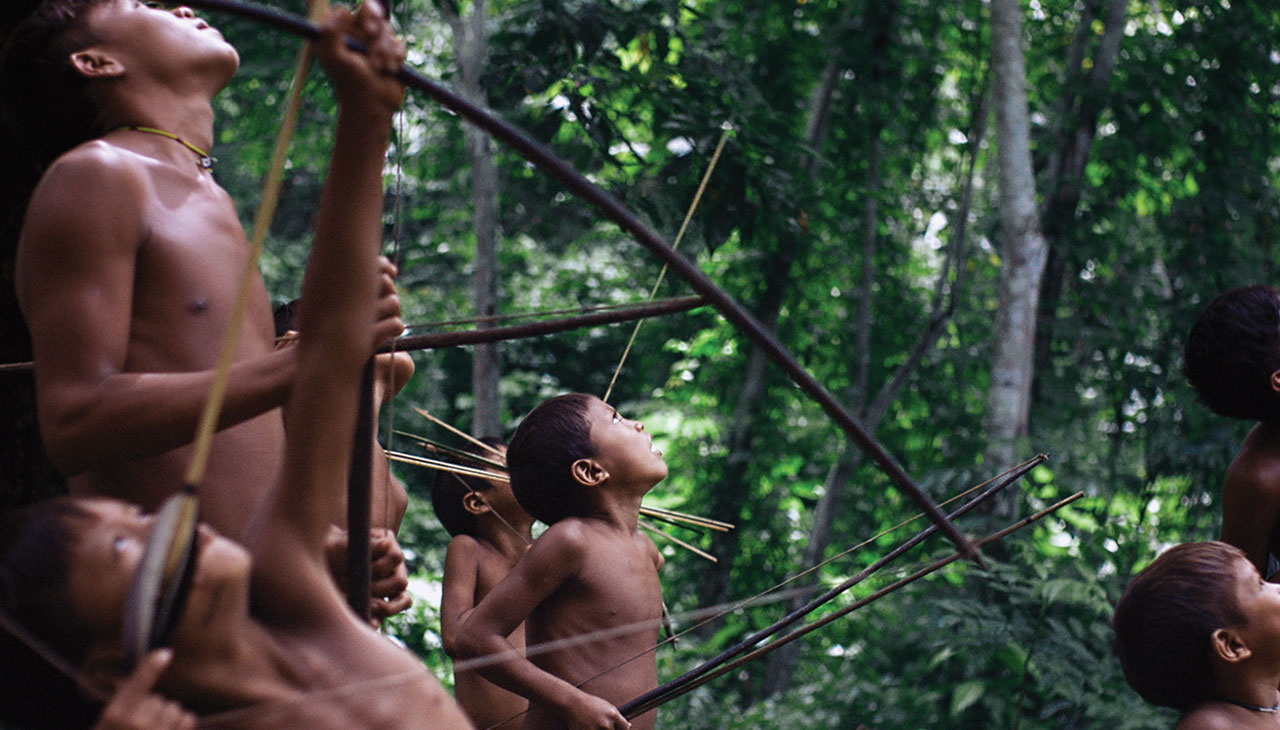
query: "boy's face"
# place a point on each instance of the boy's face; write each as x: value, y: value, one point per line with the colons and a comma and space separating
x: 154, y: 40
x: 1259, y: 601
x: 622, y: 447
x: 107, y: 554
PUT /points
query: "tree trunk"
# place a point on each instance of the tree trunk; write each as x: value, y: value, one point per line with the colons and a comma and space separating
x: 471, y: 39
x: 1078, y: 113
x: 1023, y: 247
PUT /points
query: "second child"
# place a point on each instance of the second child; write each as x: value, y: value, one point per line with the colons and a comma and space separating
x: 580, y: 467
x: 491, y: 533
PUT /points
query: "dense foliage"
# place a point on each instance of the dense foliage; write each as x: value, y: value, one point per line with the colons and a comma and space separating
x: 1178, y: 202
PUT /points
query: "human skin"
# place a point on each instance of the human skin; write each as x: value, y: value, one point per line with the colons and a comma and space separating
x: 128, y: 269
x: 1245, y: 658
x: 263, y: 629
x: 584, y: 574
x: 1251, y: 496
x: 474, y: 565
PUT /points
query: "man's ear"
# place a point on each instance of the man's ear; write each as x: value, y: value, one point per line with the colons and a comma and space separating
x: 95, y: 64
x: 475, y: 504
x: 588, y: 472
x: 1228, y: 646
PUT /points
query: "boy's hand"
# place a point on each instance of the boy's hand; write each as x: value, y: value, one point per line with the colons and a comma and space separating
x: 389, y: 323
x: 389, y: 577
x: 364, y: 82
x: 135, y: 707
x: 588, y: 712
x: 388, y: 574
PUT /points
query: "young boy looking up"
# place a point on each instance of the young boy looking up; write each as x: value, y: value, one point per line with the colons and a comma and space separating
x: 578, y: 466
x: 1199, y: 631
x: 1232, y: 359
x: 491, y: 533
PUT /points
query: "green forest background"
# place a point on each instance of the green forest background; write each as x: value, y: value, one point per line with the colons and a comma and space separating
x: 854, y: 208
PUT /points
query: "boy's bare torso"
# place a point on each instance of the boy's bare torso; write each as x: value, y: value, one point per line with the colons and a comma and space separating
x: 187, y: 262
x: 487, y: 704
x: 615, y: 587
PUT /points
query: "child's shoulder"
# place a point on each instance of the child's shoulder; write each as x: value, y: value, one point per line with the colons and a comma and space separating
x: 570, y: 537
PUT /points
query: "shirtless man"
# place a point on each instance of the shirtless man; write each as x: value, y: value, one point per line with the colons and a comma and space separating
x: 1232, y: 358
x: 581, y: 468
x: 261, y: 638
x: 130, y: 258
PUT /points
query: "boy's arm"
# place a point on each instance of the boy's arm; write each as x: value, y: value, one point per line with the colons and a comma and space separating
x: 551, y: 562
x: 340, y: 289
x: 75, y: 279
x: 458, y: 592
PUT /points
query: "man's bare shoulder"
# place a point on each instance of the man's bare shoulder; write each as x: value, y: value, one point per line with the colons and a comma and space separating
x: 1255, y: 470
x: 94, y: 169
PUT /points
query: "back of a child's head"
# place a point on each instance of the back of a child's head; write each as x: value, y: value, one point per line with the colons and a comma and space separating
x: 47, y: 108
x: 541, y: 454
x: 1233, y: 349
x: 449, y: 491
x: 1164, y: 622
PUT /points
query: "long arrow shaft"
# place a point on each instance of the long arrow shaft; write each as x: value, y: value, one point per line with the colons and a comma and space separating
x: 744, y: 645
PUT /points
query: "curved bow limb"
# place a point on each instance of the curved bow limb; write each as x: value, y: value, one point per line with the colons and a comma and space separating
x: 549, y: 163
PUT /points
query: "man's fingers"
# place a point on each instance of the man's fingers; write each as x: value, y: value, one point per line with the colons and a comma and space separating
x: 147, y: 673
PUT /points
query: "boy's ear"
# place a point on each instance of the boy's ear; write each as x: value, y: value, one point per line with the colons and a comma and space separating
x: 95, y: 64
x: 588, y: 472
x: 1275, y: 381
x: 1228, y: 646
x: 475, y: 504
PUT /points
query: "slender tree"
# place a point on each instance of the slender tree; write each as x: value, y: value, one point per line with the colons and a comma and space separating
x: 1023, y: 249
x: 471, y: 41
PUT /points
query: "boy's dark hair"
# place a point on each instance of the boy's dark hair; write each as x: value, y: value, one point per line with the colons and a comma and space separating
x: 541, y: 454
x: 35, y: 552
x: 1233, y: 349
x: 449, y: 489
x: 1165, y: 621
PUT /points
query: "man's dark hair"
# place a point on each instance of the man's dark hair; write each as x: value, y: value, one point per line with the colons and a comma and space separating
x: 45, y: 101
x: 1233, y: 349
x: 44, y: 111
x: 541, y: 455
x: 1165, y: 621
x: 35, y: 553
x: 449, y: 489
